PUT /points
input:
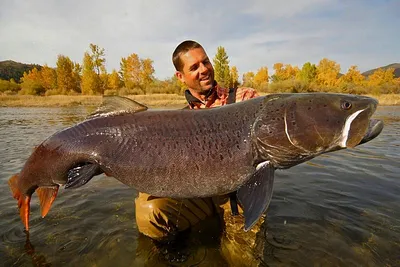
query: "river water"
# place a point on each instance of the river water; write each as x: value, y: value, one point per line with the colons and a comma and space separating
x: 340, y: 209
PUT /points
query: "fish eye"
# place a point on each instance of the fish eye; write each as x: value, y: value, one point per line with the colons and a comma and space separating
x: 346, y: 105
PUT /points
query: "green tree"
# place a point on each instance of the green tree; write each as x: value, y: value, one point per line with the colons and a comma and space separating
x: 9, y: 87
x: 248, y: 79
x: 221, y: 67
x: 308, y: 72
x: 234, y: 77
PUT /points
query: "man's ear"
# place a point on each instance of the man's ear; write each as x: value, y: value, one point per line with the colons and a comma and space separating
x: 179, y: 75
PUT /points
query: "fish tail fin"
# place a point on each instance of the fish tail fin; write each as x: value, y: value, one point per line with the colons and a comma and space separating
x: 23, y: 200
x: 47, y: 195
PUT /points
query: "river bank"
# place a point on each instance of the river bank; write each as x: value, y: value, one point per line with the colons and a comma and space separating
x: 153, y: 100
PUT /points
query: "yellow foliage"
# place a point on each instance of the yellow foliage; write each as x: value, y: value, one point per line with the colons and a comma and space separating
x: 381, y: 76
x: 114, y: 81
x: 261, y: 79
x: 327, y: 72
x: 285, y: 72
x: 353, y: 76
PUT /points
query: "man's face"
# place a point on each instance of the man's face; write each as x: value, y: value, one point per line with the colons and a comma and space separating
x: 198, y: 72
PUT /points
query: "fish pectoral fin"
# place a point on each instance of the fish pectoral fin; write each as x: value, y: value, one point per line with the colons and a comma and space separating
x: 256, y: 194
x: 117, y: 104
x: 47, y: 195
x: 80, y: 175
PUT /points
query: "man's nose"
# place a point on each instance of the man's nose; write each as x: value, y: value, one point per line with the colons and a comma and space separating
x: 203, y: 68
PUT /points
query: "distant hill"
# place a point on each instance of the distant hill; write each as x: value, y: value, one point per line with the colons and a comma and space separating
x: 14, y: 70
x: 395, y: 66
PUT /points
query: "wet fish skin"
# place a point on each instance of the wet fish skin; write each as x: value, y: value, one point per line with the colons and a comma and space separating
x: 194, y: 153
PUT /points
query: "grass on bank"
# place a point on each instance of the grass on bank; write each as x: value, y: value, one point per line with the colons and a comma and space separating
x: 151, y: 100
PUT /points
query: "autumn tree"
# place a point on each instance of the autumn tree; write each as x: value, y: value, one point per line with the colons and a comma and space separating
x: 49, y: 78
x: 234, y: 77
x: 9, y: 87
x: 77, y: 78
x: 327, y: 72
x: 248, y: 79
x: 97, y: 56
x: 65, y: 76
x: 130, y: 71
x: 381, y: 76
x: 284, y: 72
x: 221, y: 67
x: 32, y: 83
x: 90, y: 80
x: 261, y: 79
x: 114, y: 81
x: 352, y: 76
x: 146, y: 73
x: 136, y: 72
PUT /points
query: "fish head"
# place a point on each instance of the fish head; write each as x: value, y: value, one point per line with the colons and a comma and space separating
x: 293, y: 128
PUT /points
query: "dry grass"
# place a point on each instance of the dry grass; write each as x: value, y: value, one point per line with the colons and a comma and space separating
x: 384, y: 99
x: 153, y: 100
x: 388, y: 100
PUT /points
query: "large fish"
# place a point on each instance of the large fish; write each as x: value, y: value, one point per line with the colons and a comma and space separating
x: 196, y: 153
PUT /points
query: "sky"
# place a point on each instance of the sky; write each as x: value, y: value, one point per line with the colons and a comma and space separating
x: 254, y: 33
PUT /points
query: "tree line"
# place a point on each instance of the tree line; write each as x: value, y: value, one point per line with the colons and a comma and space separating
x: 136, y: 76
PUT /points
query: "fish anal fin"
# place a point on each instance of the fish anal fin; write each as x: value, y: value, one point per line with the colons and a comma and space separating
x: 256, y: 194
x: 47, y: 195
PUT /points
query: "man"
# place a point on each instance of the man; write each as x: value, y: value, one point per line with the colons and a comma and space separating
x: 163, y: 218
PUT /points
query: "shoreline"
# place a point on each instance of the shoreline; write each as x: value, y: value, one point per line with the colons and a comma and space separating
x: 153, y: 100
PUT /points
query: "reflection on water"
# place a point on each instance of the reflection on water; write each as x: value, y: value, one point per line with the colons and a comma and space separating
x: 340, y: 209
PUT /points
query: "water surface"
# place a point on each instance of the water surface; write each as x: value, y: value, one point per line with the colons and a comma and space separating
x: 340, y: 209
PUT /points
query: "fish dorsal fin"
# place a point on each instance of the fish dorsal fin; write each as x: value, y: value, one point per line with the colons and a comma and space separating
x: 115, y: 105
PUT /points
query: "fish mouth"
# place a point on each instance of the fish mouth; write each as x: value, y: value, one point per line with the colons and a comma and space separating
x: 375, y: 127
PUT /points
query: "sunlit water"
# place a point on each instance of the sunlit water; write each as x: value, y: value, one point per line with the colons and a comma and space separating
x: 340, y: 209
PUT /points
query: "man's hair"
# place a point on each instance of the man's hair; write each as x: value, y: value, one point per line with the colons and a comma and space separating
x: 182, y: 48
